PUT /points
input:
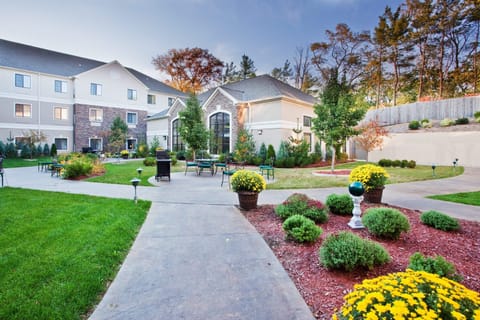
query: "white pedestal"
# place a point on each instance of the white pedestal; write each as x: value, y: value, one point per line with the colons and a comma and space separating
x: 356, y: 221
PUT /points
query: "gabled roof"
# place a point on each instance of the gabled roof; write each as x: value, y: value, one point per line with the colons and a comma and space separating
x: 264, y: 87
x: 29, y: 58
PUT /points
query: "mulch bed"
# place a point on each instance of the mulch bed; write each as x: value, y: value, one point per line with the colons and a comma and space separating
x: 323, y: 290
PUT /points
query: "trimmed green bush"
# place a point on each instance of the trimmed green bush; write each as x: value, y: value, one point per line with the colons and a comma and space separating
x: 476, y: 115
x: 461, y: 121
x: 149, y: 161
x: 437, y: 265
x: 385, y: 163
x: 396, y: 163
x: 301, y: 229
x: 340, y: 204
x: 77, y: 167
x: 385, y: 222
x: 414, y: 125
x: 439, y: 220
x: 404, y: 164
x: 299, y: 203
x: 412, y: 164
x: 425, y: 123
x: 347, y: 251
x: 447, y: 122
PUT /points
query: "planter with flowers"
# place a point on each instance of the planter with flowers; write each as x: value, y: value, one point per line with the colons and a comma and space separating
x: 124, y: 154
x: 373, y: 179
x: 248, y: 184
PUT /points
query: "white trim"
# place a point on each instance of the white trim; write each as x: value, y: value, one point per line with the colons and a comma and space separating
x: 26, y: 126
x: 34, y: 98
x: 97, y: 138
x: 110, y: 104
x: 136, y: 118
x: 219, y: 90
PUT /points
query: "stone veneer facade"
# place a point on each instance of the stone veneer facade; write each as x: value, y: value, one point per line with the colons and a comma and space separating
x: 84, y: 129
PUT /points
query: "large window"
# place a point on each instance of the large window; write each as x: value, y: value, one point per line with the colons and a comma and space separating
x: 60, y: 86
x: 23, y: 110
x: 151, y: 99
x: 22, y: 81
x: 60, y: 113
x: 131, y: 118
x: 96, y: 115
x: 96, y: 144
x: 177, y: 143
x: 95, y: 89
x: 61, y: 143
x: 131, y: 94
x: 220, y: 127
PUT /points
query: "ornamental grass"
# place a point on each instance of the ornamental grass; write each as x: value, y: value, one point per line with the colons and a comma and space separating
x: 410, y: 295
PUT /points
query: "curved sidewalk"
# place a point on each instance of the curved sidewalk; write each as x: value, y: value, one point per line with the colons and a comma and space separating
x: 197, y: 257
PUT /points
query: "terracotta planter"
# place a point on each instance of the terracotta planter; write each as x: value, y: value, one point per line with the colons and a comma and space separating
x: 247, y: 200
x: 374, y: 195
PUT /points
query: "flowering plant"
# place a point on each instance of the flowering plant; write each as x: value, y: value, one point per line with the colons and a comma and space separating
x: 124, y: 152
x: 370, y: 175
x: 245, y: 180
x: 410, y: 295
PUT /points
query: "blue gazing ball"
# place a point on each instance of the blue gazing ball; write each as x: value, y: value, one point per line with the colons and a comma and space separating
x: 356, y: 189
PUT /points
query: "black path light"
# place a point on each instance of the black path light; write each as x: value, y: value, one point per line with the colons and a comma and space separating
x: 356, y: 190
x: 455, y: 162
x: 135, y: 182
x: 139, y: 171
x: 433, y: 169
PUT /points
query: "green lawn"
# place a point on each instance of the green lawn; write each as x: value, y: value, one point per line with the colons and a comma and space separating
x: 123, y: 171
x: 58, y: 251
x: 303, y: 178
x: 20, y: 162
x: 471, y: 198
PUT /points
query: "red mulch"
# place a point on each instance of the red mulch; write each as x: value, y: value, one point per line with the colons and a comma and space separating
x: 323, y: 290
x: 334, y: 172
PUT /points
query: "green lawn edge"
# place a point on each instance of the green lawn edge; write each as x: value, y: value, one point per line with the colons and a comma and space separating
x: 470, y: 198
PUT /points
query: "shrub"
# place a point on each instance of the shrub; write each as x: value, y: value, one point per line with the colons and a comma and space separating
x: 439, y: 220
x: 347, y: 251
x: 410, y: 294
x: 142, y: 150
x: 385, y: 222
x: 414, y: 125
x: 77, y: 167
x: 461, y: 121
x: 396, y: 163
x: 385, y: 163
x: 173, y: 158
x: 301, y: 229
x: 270, y: 152
x: 476, y: 115
x: 412, y: 164
x: 301, y: 204
x: 447, y: 122
x: 26, y: 152
x: 404, y: 164
x: 425, y: 123
x: 437, y: 265
x: 340, y: 204
x: 149, y: 161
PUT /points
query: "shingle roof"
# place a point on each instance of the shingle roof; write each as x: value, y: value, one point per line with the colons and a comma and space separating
x: 263, y: 87
x: 25, y: 57
x: 159, y: 115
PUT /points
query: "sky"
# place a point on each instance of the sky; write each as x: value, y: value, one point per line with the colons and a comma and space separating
x: 134, y: 31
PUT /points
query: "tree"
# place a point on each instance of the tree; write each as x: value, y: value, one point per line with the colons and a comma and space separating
x: 284, y: 73
x: 230, y: 74
x: 33, y: 137
x: 337, y: 114
x: 247, y: 68
x: 190, y: 69
x: 118, y: 134
x: 192, y: 130
x: 245, y: 146
x: 371, y: 136
x: 304, y: 79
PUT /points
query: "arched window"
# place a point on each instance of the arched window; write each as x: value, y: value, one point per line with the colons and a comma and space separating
x: 177, y: 143
x: 220, y: 128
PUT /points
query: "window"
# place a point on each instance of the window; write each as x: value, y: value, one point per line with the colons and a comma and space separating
x: 131, y: 94
x: 96, y: 115
x: 152, y: 99
x: 131, y: 144
x: 23, y: 110
x: 95, y: 89
x: 308, y: 138
x: 131, y: 118
x: 96, y: 144
x: 177, y: 143
x: 307, y: 121
x: 170, y: 101
x: 60, y: 113
x: 22, y: 81
x: 61, y: 143
x: 60, y: 86
x: 220, y: 127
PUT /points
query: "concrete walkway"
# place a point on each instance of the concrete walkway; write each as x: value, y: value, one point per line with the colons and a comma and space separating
x: 197, y: 257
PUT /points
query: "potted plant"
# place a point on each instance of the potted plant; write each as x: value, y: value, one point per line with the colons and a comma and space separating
x: 373, y: 178
x: 248, y: 184
x: 124, y: 154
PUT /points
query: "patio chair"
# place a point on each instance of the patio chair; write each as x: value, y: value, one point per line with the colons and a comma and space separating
x: 267, y: 168
x: 191, y: 164
x: 227, y: 172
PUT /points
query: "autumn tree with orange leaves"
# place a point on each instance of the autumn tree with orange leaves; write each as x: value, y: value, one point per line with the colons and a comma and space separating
x: 190, y: 69
x: 371, y: 136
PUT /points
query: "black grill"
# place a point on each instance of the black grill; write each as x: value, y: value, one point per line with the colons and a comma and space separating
x: 163, y: 165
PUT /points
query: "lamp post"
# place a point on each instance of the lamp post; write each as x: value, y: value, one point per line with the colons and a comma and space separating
x: 455, y: 162
x: 139, y: 171
x: 135, y: 182
x: 433, y: 169
x: 356, y: 190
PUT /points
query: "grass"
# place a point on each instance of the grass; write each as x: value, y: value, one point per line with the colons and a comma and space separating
x: 59, y: 251
x: 123, y: 171
x: 302, y: 178
x: 471, y: 198
x: 20, y: 162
